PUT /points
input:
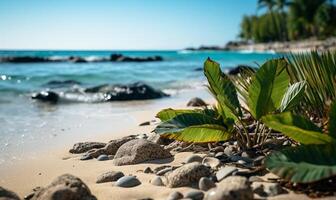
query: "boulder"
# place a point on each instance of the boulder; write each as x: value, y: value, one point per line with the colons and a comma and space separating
x: 46, y: 96
x: 109, y: 176
x: 187, y: 174
x: 8, y: 195
x: 196, y: 102
x: 76, y: 59
x: 231, y: 188
x: 138, y: 151
x: 23, y: 59
x: 65, y: 187
x: 135, y: 91
x: 112, y: 147
x: 122, y: 58
x: 82, y: 147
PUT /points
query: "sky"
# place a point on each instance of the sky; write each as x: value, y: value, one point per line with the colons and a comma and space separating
x: 120, y: 24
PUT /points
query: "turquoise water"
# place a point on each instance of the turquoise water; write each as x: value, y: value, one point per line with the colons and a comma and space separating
x: 30, y: 126
x: 177, y: 71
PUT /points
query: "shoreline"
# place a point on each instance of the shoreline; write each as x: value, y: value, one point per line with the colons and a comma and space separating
x: 276, y: 47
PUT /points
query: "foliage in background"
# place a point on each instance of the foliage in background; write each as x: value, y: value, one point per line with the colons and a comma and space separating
x: 290, y: 20
x: 319, y: 71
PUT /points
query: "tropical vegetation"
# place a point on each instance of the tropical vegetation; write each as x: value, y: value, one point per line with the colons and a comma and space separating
x: 290, y: 20
x: 295, y: 96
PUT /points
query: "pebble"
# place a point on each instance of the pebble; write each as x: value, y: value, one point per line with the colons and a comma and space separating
x: 225, y: 172
x: 148, y: 170
x: 258, y: 161
x: 157, y: 181
x: 145, y: 123
x: 103, y: 157
x: 175, y: 196
x: 194, y: 195
x: 228, y: 150
x: 109, y: 176
x: 211, y: 162
x: 265, y: 189
x: 217, y: 149
x: 205, y: 184
x: 194, y: 158
x: 128, y: 181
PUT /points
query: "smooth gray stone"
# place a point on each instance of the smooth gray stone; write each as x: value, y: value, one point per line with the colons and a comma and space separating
x: 175, y: 196
x: 225, y: 172
x: 103, y: 157
x: 128, y: 181
x: 194, y: 158
x: 195, y: 195
x: 157, y: 181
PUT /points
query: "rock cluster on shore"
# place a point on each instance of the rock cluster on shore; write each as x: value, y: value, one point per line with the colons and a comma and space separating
x: 77, y: 59
x: 280, y: 47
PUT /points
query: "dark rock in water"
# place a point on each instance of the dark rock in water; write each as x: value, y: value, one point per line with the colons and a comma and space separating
x: 8, y: 195
x: 83, y: 147
x: 76, y: 59
x: 138, y: 151
x: 196, y: 102
x: 135, y: 91
x: 122, y: 58
x: 65, y: 187
x: 24, y: 59
x: 240, y: 68
x: 46, y: 96
x: 198, y: 69
x: 109, y: 177
x: 128, y: 181
x: 62, y: 83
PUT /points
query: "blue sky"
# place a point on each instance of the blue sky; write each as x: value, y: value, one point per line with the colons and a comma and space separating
x: 119, y: 24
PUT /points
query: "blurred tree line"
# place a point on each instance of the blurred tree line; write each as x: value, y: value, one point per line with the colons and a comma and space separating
x: 287, y: 20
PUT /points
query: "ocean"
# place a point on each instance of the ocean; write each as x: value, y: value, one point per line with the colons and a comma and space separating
x: 29, y: 126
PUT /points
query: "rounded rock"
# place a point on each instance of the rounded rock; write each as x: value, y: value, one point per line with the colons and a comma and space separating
x: 109, y: 176
x: 211, y: 162
x: 128, y: 181
x: 103, y: 157
x: 175, y: 196
x: 205, y: 184
x: 157, y: 181
x: 195, y: 195
x: 194, y: 158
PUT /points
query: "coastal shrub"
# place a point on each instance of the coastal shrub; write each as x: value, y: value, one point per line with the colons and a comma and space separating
x: 318, y: 70
x: 268, y: 92
x: 311, y: 161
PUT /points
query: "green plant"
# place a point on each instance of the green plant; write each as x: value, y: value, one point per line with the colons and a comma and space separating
x: 319, y: 71
x: 268, y: 92
x: 314, y: 159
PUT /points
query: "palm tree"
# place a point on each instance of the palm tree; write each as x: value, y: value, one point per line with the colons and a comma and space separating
x: 269, y: 4
x: 281, y: 5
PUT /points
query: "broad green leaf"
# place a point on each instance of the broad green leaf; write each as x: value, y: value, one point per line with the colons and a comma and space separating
x: 222, y: 89
x: 169, y: 113
x: 292, y: 96
x: 201, y: 133
x: 332, y: 120
x: 304, y: 164
x: 185, y: 120
x: 298, y: 128
x: 268, y: 87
